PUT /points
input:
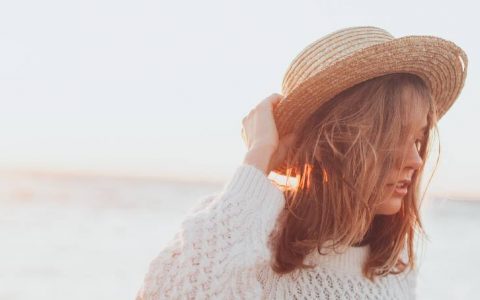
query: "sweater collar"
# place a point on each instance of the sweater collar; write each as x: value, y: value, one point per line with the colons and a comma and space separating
x: 349, y: 259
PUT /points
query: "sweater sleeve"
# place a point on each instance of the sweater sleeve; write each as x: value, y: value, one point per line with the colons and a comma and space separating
x: 219, y: 244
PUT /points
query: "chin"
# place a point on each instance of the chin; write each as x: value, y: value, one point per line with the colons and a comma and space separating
x: 391, y: 207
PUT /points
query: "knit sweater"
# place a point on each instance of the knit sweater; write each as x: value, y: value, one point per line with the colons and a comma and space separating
x: 221, y: 252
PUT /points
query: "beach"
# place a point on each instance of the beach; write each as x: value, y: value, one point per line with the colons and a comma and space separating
x: 93, y: 238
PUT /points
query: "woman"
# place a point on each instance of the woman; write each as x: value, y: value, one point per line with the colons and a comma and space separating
x: 346, y: 229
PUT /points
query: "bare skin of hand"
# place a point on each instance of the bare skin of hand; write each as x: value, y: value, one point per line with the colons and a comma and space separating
x: 260, y: 135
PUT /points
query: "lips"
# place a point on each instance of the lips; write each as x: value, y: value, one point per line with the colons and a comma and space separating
x: 401, y: 188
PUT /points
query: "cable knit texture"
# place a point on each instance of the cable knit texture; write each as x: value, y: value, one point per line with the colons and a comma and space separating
x: 221, y: 252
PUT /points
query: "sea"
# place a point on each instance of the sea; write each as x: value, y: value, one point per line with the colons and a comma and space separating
x: 93, y: 237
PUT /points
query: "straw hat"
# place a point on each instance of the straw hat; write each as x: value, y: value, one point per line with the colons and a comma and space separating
x: 352, y: 55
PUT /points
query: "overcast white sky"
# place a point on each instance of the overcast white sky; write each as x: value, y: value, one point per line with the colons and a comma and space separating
x: 160, y: 87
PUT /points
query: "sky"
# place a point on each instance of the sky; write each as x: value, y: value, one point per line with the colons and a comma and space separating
x: 159, y: 88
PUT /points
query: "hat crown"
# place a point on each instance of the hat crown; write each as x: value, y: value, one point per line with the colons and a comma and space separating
x: 350, y: 56
x: 329, y: 49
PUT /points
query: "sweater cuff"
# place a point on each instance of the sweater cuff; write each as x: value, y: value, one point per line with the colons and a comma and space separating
x: 257, y: 188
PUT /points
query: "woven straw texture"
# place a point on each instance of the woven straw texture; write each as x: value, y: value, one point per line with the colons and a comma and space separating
x: 352, y: 55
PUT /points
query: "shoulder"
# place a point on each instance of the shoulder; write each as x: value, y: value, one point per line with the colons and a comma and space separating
x: 203, y: 201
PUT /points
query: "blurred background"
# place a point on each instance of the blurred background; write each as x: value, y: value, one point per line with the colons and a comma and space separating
x: 117, y: 116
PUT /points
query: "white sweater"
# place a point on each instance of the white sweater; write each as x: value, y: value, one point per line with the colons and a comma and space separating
x: 221, y: 253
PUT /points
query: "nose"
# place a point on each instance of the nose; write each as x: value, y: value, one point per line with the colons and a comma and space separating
x: 414, y: 160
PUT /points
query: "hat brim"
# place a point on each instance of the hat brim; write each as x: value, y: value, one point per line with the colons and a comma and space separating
x: 440, y: 63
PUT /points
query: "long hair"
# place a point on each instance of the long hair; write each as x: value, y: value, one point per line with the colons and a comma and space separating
x: 343, y: 157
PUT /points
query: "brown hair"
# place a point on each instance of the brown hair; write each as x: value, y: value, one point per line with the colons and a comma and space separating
x: 342, y: 159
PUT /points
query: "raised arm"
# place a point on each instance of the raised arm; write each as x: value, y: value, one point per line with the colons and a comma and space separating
x: 224, y: 239
x: 215, y: 253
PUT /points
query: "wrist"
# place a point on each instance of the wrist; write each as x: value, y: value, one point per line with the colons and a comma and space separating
x: 260, y: 158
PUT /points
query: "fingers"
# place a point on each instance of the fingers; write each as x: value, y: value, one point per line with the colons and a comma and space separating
x: 259, y: 124
x: 272, y: 100
x: 275, y: 98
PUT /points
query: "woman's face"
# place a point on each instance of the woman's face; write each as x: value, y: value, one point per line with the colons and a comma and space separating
x: 397, y: 187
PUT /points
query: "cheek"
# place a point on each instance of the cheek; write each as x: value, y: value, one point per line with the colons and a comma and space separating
x: 390, y: 206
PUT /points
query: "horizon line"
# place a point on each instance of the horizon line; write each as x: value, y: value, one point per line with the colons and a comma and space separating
x: 132, y: 176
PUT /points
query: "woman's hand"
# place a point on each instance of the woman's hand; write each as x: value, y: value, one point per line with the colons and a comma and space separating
x: 260, y: 135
